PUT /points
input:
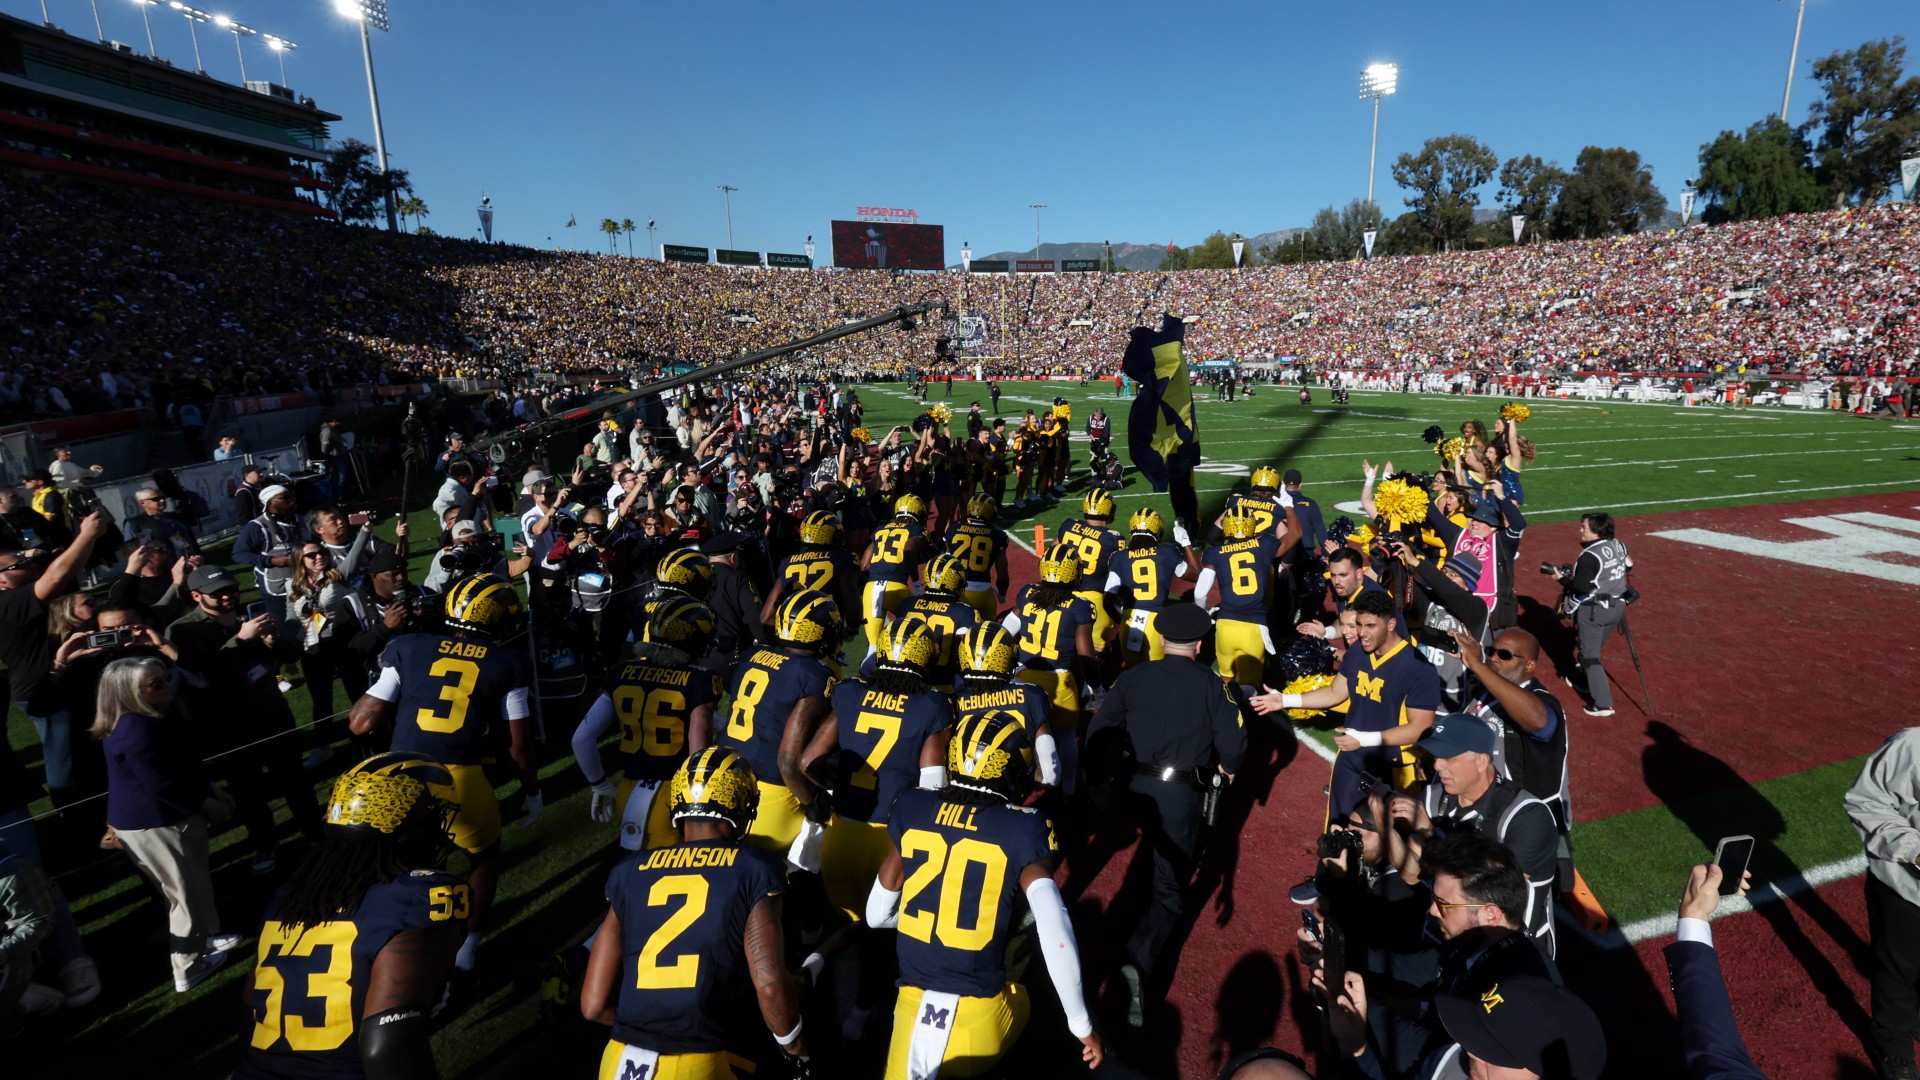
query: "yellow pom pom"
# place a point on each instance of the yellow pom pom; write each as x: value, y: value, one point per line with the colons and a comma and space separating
x: 1448, y: 449
x: 1399, y: 502
x: 1064, y: 412
x: 860, y: 436
x: 941, y: 413
x: 1362, y: 535
x: 1514, y: 412
x: 1306, y: 684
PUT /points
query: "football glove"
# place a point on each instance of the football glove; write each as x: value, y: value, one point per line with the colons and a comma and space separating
x: 602, y: 805
x: 534, y: 803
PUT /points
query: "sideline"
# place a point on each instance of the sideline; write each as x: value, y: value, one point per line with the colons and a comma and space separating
x: 1768, y: 892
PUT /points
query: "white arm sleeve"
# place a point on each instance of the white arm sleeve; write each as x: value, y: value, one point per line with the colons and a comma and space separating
x: 1203, y: 585
x: 1012, y: 623
x: 1061, y: 951
x: 1113, y: 582
x: 1048, y: 753
x: 933, y: 777
x: 598, y: 720
x: 387, y: 687
x: 516, y: 701
x: 883, y: 907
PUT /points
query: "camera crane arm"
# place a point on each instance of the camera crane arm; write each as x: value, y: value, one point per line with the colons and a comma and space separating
x: 496, y: 445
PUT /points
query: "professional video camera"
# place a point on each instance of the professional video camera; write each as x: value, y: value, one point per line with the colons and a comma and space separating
x: 478, y: 557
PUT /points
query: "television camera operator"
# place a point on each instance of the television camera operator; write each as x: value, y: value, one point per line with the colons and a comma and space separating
x: 1594, y: 591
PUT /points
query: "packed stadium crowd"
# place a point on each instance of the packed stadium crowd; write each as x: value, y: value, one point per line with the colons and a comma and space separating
x: 119, y: 298
x: 825, y: 861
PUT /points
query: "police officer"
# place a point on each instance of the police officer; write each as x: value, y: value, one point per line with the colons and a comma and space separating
x: 735, y: 604
x: 1596, y: 598
x: 1183, y: 727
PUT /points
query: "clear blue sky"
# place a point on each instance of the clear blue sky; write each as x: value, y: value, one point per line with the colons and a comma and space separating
x: 1132, y: 121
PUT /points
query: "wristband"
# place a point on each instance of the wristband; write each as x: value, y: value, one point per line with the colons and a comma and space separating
x: 1290, y: 701
x: 1366, y: 738
x: 1329, y: 632
x: 792, y: 1036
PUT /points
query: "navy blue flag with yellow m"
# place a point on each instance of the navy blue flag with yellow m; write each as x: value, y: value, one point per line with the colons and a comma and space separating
x: 1163, y: 433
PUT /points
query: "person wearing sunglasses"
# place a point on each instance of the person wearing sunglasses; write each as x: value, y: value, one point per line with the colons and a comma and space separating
x: 1530, y: 724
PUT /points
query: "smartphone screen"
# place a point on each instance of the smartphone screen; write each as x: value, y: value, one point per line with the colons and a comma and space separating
x: 1732, y: 857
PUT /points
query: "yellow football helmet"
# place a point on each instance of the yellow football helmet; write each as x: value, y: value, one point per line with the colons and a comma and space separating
x: 990, y: 752
x: 404, y: 795
x: 1098, y: 504
x: 1266, y: 476
x: 686, y: 570
x: 943, y: 573
x: 910, y: 644
x: 682, y: 622
x: 820, y: 528
x: 483, y: 604
x: 1239, y: 525
x: 1147, y: 520
x: 989, y: 650
x: 1061, y: 566
x: 715, y: 784
x: 982, y: 506
x: 912, y: 506
x: 810, y: 620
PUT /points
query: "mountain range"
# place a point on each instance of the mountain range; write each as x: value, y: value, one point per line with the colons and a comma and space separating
x: 1129, y: 256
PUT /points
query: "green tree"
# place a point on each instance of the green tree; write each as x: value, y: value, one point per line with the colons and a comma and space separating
x: 627, y: 226
x: 1213, y: 253
x: 1341, y: 233
x: 1443, y: 177
x: 359, y: 190
x: 1609, y: 192
x: 1762, y: 173
x: 1868, y: 122
x: 1404, y: 235
x: 1529, y: 186
x: 612, y: 229
x: 1177, y: 258
x: 413, y: 206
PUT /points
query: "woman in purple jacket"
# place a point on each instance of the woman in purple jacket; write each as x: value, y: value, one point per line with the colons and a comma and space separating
x: 159, y: 801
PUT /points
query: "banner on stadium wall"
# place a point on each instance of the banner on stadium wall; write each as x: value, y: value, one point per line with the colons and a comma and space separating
x: 1686, y: 207
x: 1519, y: 226
x: 486, y: 221
x: 974, y: 331
x: 1034, y: 266
x: 266, y: 403
x: 680, y: 253
x: 1367, y: 238
x: 1910, y: 175
x: 729, y: 257
x: 1079, y: 266
x: 789, y: 262
x: 1239, y: 246
x: 988, y: 266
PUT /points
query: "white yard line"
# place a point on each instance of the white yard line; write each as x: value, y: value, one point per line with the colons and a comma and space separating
x: 1772, y: 892
x: 1533, y: 511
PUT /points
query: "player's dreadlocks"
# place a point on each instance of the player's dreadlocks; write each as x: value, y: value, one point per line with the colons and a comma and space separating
x: 890, y: 681
x: 331, y: 882
x: 1049, y: 594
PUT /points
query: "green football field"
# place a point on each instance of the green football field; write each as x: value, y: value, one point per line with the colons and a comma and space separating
x: 1628, y: 459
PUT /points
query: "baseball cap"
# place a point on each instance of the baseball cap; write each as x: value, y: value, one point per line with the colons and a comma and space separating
x: 1525, y: 1022
x: 1486, y: 512
x: 272, y: 492
x: 1458, y: 733
x: 1466, y: 565
x: 464, y: 527
x: 211, y: 579
x: 1290, y: 477
x: 1182, y: 624
x: 386, y: 561
x: 532, y: 477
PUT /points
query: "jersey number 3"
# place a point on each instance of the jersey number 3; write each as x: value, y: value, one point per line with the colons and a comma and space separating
x: 457, y: 694
x: 286, y: 967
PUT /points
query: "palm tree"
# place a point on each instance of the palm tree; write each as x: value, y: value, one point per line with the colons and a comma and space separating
x: 610, y: 227
x: 627, y: 226
x: 415, y: 207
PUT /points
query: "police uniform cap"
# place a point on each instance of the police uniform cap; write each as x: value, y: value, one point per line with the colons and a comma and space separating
x: 1183, y: 624
x: 386, y: 561
x: 725, y: 543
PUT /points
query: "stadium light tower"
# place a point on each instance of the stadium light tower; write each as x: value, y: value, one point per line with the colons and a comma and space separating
x: 280, y: 46
x: 147, y: 18
x: 726, y: 192
x: 650, y: 247
x: 374, y: 13
x: 1036, y: 208
x: 193, y: 18
x: 1793, y: 61
x: 234, y: 28
x: 1376, y: 82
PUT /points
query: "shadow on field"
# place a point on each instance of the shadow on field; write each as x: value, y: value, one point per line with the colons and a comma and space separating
x: 1713, y: 800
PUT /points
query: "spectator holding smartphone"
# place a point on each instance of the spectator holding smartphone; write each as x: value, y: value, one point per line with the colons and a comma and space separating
x: 1709, y: 1036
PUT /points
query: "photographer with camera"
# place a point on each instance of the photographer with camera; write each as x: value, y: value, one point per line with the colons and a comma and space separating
x: 122, y: 629
x: 1595, y: 593
x: 467, y: 549
x: 154, y: 577
x: 381, y: 608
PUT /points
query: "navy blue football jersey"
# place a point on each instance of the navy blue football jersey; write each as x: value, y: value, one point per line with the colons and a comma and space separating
x: 310, y: 982
x: 683, y: 923
x: 1023, y: 699
x: 963, y: 864
x: 951, y: 620
x: 1096, y: 545
x: 1049, y: 636
x: 1243, y: 569
x: 1147, y: 575
x: 766, y: 687
x: 454, y: 693
x: 891, y: 559
x: 654, y: 702
x: 978, y: 546
x: 880, y: 738
x: 1265, y: 511
x: 822, y: 571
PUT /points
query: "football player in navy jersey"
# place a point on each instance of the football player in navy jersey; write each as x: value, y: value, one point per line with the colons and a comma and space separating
x: 959, y: 857
x: 987, y: 660
x: 689, y: 929
x: 1092, y: 538
x: 1142, y: 576
x: 445, y: 696
x: 1055, y: 630
x: 950, y: 616
x: 664, y: 703
x: 354, y: 949
x: 981, y: 547
x: 1242, y: 565
x: 889, y: 562
x: 822, y: 565
x: 779, y: 693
